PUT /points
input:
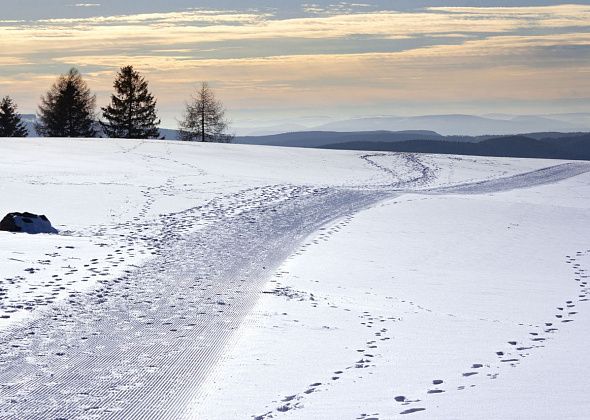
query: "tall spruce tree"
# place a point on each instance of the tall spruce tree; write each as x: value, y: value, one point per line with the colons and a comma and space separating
x: 132, y: 112
x: 204, y: 119
x: 11, y: 124
x: 68, y: 108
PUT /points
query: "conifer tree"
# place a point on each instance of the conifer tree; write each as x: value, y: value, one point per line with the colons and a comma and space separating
x: 204, y: 119
x: 68, y: 108
x: 132, y: 112
x: 11, y: 124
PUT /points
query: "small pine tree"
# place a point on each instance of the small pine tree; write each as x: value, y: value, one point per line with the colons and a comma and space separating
x: 132, y: 112
x: 204, y: 119
x: 11, y: 124
x: 68, y: 108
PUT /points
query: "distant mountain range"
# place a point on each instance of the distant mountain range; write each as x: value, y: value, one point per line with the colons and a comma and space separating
x: 550, y: 145
x: 324, y: 138
x: 506, y: 139
x: 446, y: 125
x: 466, y: 124
x: 453, y: 124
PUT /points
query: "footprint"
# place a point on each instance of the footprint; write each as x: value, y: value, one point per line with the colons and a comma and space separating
x: 413, y: 410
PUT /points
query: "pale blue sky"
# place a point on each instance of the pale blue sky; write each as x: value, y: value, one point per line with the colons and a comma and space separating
x: 280, y: 60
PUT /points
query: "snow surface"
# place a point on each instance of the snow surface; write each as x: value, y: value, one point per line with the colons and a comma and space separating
x: 225, y: 281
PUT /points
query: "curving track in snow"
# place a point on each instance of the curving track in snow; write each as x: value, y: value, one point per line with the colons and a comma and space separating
x: 139, y: 346
x: 543, y: 176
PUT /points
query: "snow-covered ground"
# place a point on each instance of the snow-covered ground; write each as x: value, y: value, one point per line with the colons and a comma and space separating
x: 224, y: 281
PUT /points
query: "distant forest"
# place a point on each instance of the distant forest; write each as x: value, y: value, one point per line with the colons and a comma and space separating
x: 575, y: 147
x: 568, y: 146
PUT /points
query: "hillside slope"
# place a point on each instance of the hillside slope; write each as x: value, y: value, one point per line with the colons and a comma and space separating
x: 182, y: 269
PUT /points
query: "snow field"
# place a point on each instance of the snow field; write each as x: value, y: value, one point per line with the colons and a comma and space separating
x: 160, y: 291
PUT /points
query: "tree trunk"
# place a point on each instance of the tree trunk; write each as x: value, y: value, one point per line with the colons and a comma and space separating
x: 203, y: 122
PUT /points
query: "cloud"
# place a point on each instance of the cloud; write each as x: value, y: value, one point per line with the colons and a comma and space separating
x: 215, y: 25
x: 187, y: 17
x: 511, y: 48
x: 13, y: 61
x: 464, y: 52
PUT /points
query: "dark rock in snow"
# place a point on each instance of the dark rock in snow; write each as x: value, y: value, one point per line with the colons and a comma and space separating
x: 26, y: 223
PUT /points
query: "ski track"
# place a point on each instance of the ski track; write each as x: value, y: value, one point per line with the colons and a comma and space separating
x: 153, y: 334
x: 420, y: 172
x: 138, y: 346
x: 543, y: 176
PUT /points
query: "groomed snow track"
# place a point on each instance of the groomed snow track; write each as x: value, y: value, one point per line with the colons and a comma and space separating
x: 543, y: 176
x: 140, y: 346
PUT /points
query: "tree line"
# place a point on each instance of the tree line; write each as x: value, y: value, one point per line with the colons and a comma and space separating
x: 68, y: 109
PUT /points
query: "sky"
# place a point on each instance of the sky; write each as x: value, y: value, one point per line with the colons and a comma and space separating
x: 280, y: 61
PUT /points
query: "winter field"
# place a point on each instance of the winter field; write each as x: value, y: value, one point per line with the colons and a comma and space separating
x: 200, y: 281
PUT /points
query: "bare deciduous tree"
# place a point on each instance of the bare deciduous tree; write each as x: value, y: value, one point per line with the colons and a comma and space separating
x: 204, y: 119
